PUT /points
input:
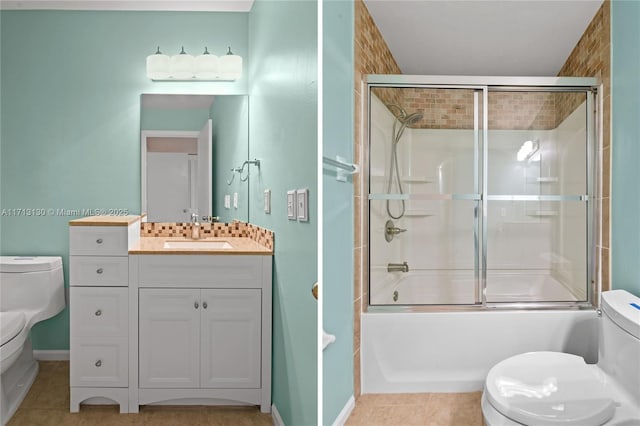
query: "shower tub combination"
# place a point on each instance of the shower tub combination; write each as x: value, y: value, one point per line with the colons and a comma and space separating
x: 482, y: 212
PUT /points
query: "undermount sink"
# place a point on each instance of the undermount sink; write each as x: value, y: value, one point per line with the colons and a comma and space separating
x: 194, y: 244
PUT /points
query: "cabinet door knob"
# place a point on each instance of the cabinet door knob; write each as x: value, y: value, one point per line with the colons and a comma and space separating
x: 195, y: 305
x: 99, y: 271
x: 99, y: 312
x: 99, y: 241
x: 204, y: 305
x: 98, y: 363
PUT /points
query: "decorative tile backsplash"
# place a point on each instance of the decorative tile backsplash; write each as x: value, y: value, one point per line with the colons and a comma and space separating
x: 260, y: 235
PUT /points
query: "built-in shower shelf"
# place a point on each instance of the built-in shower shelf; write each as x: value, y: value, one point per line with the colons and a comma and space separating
x: 419, y: 213
x: 542, y: 213
x: 418, y: 179
x: 546, y: 179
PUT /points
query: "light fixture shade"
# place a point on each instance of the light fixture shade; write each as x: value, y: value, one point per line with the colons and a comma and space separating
x: 158, y: 66
x: 230, y: 66
x: 181, y: 66
x: 206, y: 66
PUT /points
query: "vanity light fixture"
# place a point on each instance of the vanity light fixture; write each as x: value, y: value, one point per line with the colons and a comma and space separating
x: 158, y: 66
x: 185, y: 67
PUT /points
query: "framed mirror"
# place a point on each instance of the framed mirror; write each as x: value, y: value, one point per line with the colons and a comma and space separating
x: 190, y: 147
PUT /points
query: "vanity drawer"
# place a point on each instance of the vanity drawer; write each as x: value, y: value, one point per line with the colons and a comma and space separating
x: 201, y: 271
x: 97, y: 362
x: 99, y: 312
x: 98, y: 240
x: 99, y: 270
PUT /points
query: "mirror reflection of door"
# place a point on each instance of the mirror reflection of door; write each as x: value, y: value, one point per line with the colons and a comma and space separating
x: 178, y: 174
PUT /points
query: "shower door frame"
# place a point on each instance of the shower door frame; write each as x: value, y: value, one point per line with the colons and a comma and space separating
x: 588, y: 85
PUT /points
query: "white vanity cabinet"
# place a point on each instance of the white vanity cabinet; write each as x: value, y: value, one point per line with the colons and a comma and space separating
x: 202, y: 329
x: 99, y: 310
x: 214, y: 335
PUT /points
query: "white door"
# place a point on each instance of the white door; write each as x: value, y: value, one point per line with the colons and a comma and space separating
x: 167, y: 187
x: 231, y: 338
x: 205, y: 176
x: 169, y: 338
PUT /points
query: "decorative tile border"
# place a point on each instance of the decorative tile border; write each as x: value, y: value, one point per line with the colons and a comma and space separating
x: 260, y: 235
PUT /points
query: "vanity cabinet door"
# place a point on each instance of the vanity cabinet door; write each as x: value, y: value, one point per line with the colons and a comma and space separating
x: 169, y: 340
x: 231, y: 337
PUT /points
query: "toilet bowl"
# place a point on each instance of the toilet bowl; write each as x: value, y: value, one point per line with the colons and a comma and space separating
x: 551, y: 388
x: 31, y: 290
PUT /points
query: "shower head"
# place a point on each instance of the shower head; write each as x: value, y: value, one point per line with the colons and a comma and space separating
x: 413, y: 118
x: 403, y: 117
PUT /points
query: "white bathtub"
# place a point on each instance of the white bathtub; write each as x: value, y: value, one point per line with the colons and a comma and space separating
x: 424, y: 287
x: 453, y: 351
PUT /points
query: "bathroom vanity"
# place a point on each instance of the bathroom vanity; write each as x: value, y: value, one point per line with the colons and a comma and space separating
x: 168, y: 320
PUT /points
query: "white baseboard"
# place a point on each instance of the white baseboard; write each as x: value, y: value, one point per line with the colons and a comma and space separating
x: 346, y: 412
x: 52, y: 355
x: 276, y: 420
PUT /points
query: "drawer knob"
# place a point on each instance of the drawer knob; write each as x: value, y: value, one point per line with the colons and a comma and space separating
x: 195, y: 305
x: 99, y: 271
x: 99, y: 241
x: 204, y: 305
x: 98, y: 363
x: 99, y: 312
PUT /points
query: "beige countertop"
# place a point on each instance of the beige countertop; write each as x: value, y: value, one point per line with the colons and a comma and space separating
x: 105, y: 221
x: 240, y: 246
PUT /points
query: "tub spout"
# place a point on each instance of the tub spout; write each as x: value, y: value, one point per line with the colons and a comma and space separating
x: 398, y: 267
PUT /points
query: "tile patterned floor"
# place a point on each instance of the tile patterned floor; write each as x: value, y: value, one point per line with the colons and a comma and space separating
x: 47, y: 403
x: 417, y: 409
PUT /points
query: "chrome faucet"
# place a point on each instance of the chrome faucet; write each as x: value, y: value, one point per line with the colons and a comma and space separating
x: 398, y: 267
x: 195, y: 227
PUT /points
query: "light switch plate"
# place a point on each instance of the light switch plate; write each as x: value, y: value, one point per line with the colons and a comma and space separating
x: 302, y: 200
x: 235, y: 200
x: 291, y: 205
x: 267, y: 201
x: 227, y: 201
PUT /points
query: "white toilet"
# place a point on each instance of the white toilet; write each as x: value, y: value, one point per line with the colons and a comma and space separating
x: 31, y: 290
x: 552, y: 388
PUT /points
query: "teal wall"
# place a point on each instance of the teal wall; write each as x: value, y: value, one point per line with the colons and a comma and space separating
x: 625, y: 122
x: 70, y: 125
x: 283, y: 100
x: 230, y: 115
x: 338, y: 115
x: 191, y: 119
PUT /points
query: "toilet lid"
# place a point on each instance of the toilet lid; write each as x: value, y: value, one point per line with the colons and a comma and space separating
x: 549, y: 388
x: 11, y: 323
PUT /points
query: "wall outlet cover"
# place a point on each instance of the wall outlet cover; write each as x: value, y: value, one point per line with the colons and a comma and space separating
x: 227, y: 201
x: 291, y: 205
x: 302, y: 200
x: 235, y: 200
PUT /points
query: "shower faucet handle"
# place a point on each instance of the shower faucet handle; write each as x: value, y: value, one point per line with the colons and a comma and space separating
x: 395, y: 231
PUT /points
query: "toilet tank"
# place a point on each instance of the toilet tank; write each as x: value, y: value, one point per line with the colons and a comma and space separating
x: 34, y: 285
x: 619, y: 346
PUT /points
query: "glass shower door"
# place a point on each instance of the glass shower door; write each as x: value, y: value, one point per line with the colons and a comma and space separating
x: 425, y: 180
x: 537, y: 233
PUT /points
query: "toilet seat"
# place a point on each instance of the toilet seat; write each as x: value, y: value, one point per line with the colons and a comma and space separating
x: 549, y: 388
x: 11, y: 324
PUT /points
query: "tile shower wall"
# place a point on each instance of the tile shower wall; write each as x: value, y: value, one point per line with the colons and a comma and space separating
x: 371, y: 56
x: 70, y: 117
